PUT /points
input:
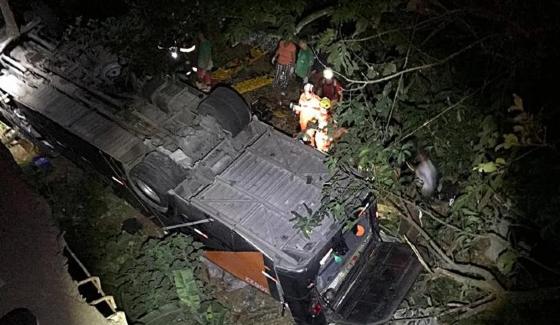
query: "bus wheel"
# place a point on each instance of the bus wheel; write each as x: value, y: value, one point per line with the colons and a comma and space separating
x: 228, y: 108
x: 152, y: 178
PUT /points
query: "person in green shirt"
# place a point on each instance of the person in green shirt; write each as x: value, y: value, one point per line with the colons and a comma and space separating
x: 304, y: 61
x: 205, y: 63
x: 204, y: 53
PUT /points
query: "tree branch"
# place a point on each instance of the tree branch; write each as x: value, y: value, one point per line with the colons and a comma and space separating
x: 421, y: 67
x: 470, y: 274
x: 312, y: 17
x: 472, y: 308
x: 418, y: 255
x: 394, y: 30
x: 439, y: 115
x: 399, y: 84
x: 483, y: 283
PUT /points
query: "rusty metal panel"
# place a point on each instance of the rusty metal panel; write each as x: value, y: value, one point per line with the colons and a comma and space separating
x: 247, y: 266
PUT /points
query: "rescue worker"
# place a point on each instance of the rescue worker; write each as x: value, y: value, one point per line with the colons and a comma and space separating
x: 308, y: 108
x: 304, y: 61
x: 308, y: 136
x: 285, y: 57
x: 330, y: 87
x: 324, y: 112
x: 322, y: 139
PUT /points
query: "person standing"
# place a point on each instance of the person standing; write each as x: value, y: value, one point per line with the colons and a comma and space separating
x: 304, y: 61
x: 426, y: 175
x: 284, y: 57
x: 322, y: 138
x: 308, y: 108
x: 330, y: 87
x: 205, y: 63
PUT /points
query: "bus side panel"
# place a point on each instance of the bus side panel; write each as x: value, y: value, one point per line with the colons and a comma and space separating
x: 71, y: 146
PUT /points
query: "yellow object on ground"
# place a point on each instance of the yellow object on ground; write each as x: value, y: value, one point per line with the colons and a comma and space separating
x: 280, y: 113
x: 255, y: 54
x: 252, y: 84
x: 232, y: 67
x: 224, y: 74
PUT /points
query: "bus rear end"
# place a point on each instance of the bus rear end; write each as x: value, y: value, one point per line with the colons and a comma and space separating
x: 362, y: 279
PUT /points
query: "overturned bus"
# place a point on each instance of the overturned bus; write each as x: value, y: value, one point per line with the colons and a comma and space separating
x: 204, y: 165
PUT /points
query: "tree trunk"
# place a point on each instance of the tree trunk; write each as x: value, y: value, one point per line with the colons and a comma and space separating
x: 12, y: 28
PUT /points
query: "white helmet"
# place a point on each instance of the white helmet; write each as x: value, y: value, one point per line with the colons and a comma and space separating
x: 328, y: 73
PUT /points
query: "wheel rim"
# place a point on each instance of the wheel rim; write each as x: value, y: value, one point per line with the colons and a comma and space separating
x: 148, y: 191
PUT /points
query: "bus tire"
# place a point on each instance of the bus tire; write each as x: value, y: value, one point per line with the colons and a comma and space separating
x: 152, y: 178
x: 228, y: 108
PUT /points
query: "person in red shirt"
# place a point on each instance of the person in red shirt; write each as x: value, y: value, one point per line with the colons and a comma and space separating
x: 330, y: 87
x: 285, y: 57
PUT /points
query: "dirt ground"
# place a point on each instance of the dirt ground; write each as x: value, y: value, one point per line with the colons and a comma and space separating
x: 282, y: 117
x: 33, y: 271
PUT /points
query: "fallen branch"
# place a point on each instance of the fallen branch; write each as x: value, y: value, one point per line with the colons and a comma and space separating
x: 439, y: 220
x: 469, y: 274
x: 472, y: 308
x: 418, y: 255
x: 488, y: 285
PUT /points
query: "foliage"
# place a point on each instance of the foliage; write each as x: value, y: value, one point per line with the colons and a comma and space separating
x: 187, y: 290
x: 167, y: 269
x: 156, y: 281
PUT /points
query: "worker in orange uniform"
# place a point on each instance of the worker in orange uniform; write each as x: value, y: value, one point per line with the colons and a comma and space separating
x: 284, y: 57
x: 308, y: 108
x: 322, y: 139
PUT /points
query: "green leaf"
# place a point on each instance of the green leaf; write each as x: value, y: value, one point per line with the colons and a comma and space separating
x: 389, y: 68
x: 488, y: 167
x: 371, y: 73
x: 506, y: 261
x: 215, y: 314
x: 510, y: 140
x: 361, y: 26
x: 364, y: 152
x: 326, y: 38
x: 469, y: 212
x: 187, y: 289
